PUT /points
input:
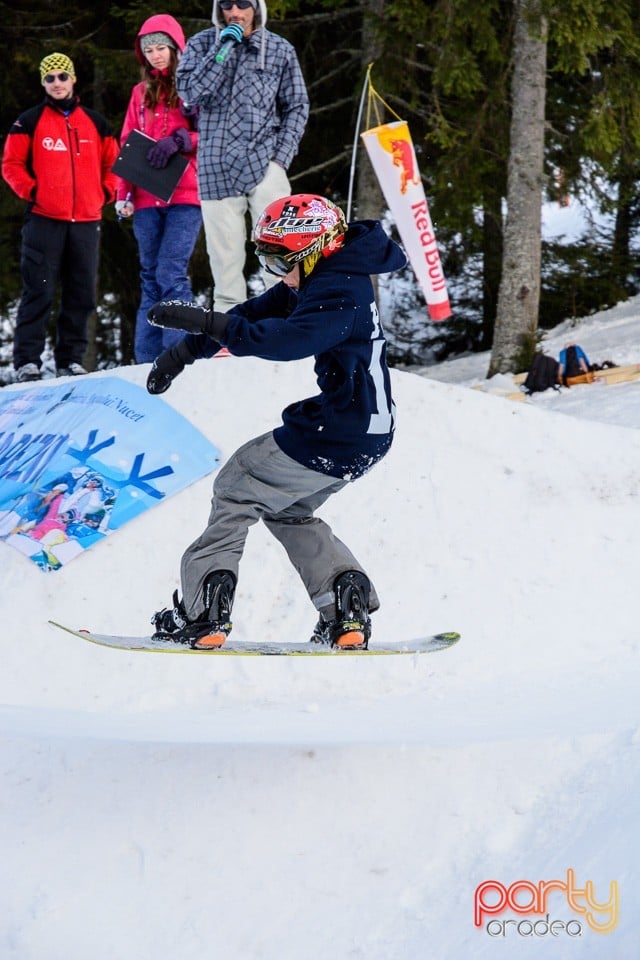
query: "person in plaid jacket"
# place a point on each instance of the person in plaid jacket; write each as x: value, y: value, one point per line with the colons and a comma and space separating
x: 253, y: 107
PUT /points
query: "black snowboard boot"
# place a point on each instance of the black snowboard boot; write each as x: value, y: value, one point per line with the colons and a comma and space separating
x: 212, y: 628
x: 351, y: 627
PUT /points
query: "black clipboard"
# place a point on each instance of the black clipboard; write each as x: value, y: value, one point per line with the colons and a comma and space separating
x: 131, y: 164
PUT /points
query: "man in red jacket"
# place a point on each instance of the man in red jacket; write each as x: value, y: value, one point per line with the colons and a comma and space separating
x: 58, y: 158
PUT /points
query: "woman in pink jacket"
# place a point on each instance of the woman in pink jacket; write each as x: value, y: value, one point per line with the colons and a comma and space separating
x: 166, y: 232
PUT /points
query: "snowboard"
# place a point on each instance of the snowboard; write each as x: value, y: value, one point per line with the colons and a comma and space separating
x: 269, y: 648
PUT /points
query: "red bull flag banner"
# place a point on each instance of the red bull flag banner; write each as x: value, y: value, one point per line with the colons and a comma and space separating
x: 392, y: 154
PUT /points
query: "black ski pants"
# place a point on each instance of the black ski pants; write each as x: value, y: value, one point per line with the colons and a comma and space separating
x: 56, y: 251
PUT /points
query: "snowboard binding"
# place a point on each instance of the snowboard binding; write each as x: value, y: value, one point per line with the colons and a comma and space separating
x: 351, y: 628
x: 209, y: 631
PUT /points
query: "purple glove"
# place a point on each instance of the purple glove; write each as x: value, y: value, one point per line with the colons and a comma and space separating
x: 161, y: 152
x: 182, y: 139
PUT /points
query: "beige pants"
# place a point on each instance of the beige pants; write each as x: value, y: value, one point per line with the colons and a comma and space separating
x: 225, y: 231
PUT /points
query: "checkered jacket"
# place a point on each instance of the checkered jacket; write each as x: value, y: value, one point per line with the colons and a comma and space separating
x: 253, y: 109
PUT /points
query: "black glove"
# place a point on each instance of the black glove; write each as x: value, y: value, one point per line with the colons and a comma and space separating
x: 187, y: 316
x: 191, y: 112
x: 167, y: 366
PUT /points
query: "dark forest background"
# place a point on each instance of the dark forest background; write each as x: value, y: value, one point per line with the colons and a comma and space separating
x: 444, y: 66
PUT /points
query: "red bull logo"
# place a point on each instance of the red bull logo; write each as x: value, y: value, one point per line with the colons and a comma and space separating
x: 427, y: 238
x: 404, y: 158
x: 395, y: 139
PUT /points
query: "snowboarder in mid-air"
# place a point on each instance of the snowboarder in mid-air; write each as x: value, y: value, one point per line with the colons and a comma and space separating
x: 324, y: 307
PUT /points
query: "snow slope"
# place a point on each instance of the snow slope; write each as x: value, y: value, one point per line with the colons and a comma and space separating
x: 270, y: 809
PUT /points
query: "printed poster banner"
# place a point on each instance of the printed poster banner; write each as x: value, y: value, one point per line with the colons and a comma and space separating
x: 391, y: 152
x: 78, y: 460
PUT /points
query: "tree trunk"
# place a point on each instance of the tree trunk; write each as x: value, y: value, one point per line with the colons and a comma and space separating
x: 519, y: 293
x: 621, y: 258
x: 369, y: 200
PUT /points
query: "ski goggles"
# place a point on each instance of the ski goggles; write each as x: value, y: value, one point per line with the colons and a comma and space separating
x: 275, y: 263
x: 52, y: 77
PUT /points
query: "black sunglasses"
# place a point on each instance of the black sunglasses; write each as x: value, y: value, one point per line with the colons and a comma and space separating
x: 240, y: 4
x: 52, y: 77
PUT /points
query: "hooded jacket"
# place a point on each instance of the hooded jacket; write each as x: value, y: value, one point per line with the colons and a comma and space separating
x: 160, y: 23
x: 59, y: 160
x: 253, y: 106
x: 158, y: 123
x: 348, y: 426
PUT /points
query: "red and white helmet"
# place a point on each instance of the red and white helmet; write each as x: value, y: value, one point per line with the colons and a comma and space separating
x: 294, y: 228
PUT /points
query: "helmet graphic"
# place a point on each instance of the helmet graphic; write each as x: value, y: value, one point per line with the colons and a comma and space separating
x: 296, y: 228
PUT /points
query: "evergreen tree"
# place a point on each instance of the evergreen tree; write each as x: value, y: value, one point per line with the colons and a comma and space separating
x: 444, y: 66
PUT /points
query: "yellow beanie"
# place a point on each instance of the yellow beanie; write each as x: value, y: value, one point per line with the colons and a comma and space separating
x: 56, y: 61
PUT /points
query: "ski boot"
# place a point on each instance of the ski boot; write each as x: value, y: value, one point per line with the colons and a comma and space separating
x: 351, y: 628
x: 212, y: 628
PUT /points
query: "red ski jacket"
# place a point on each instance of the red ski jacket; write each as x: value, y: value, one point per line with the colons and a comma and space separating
x: 61, y: 164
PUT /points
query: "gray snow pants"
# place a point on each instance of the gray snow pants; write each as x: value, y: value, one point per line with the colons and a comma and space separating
x: 260, y: 482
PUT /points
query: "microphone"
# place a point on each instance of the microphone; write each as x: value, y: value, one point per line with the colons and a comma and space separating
x: 224, y: 51
x: 231, y: 34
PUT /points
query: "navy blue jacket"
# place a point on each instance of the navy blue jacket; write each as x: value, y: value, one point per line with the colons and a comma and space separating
x: 348, y: 426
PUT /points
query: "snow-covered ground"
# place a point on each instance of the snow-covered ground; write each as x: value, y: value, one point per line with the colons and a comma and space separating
x: 610, y: 335
x: 157, y: 807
